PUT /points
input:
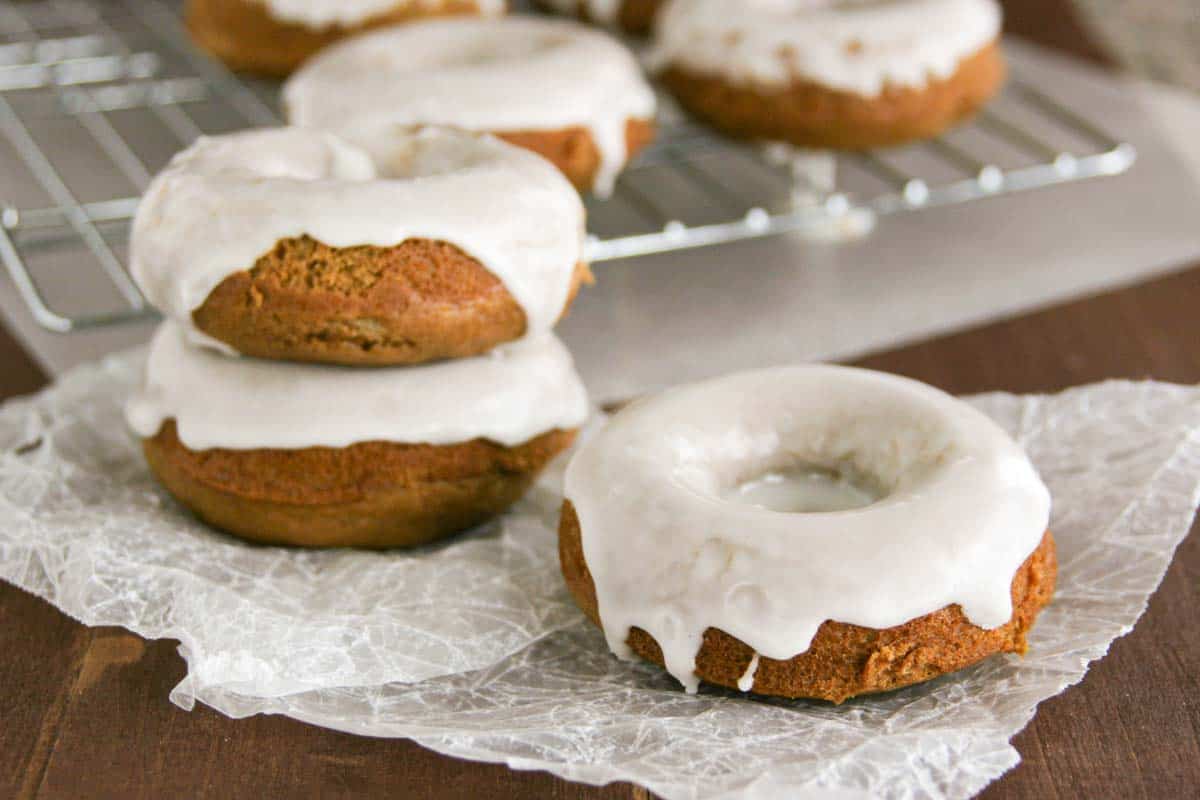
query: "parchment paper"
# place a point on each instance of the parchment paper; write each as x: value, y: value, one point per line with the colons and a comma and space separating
x: 474, y: 648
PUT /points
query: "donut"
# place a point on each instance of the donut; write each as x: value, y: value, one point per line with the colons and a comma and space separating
x: 319, y: 456
x: 838, y: 74
x: 571, y: 94
x: 273, y: 37
x: 812, y: 531
x: 632, y: 16
x: 291, y: 244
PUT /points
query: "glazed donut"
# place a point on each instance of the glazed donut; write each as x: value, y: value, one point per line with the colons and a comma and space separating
x: 689, y: 536
x: 323, y: 456
x: 273, y: 37
x: 290, y: 244
x: 632, y: 16
x: 841, y: 74
x: 572, y: 94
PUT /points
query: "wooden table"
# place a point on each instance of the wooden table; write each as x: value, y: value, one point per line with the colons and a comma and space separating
x: 84, y: 711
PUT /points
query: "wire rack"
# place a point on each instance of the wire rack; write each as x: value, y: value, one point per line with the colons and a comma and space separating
x: 96, y: 96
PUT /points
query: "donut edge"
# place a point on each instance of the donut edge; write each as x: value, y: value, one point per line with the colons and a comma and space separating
x: 302, y: 312
x: 244, y: 35
x: 808, y: 114
x: 844, y: 661
x: 374, y: 495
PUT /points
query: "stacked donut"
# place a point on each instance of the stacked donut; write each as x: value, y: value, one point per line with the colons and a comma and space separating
x: 353, y: 355
x: 358, y: 346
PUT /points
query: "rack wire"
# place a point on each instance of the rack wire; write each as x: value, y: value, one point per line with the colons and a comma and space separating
x: 95, y: 96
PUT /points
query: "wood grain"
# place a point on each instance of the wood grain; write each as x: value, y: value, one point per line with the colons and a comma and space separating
x: 84, y: 712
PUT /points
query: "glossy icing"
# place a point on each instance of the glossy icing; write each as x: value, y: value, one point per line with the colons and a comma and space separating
x: 517, y: 392
x: 226, y: 200
x: 857, y: 46
x: 669, y: 553
x: 319, y: 14
x: 508, y: 75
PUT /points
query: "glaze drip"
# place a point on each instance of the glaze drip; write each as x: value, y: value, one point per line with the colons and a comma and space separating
x: 227, y: 200
x: 859, y: 46
x: 509, y: 396
x: 671, y: 555
x: 501, y: 76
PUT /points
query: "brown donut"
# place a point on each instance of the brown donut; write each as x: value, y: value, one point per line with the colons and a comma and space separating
x: 810, y: 115
x: 635, y: 16
x: 419, y: 301
x: 245, y: 36
x: 372, y: 495
x: 844, y: 660
x: 574, y: 151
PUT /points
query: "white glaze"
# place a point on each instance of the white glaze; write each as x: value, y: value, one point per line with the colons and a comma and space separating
x: 318, y: 14
x: 226, y: 200
x: 856, y: 46
x: 963, y: 509
x: 603, y: 11
x: 746, y: 682
x: 801, y: 490
x: 517, y: 392
x: 501, y: 76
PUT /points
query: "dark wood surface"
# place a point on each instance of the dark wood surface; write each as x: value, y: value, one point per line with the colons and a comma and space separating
x: 84, y: 712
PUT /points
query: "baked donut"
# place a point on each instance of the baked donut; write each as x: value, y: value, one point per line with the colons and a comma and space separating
x: 291, y: 244
x: 811, y: 531
x: 273, y: 37
x: 321, y: 456
x: 567, y: 92
x: 632, y: 16
x: 840, y: 74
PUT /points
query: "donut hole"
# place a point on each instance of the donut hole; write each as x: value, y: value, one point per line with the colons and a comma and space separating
x: 837, y: 460
x: 806, y: 489
x: 487, y: 51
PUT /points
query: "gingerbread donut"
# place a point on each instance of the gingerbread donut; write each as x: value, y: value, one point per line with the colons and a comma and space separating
x: 812, y: 531
x: 841, y: 74
x: 632, y: 16
x: 273, y: 37
x: 322, y: 456
x: 291, y: 244
x: 572, y: 94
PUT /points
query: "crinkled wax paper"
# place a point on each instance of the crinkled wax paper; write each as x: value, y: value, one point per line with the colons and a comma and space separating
x: 475, y: 650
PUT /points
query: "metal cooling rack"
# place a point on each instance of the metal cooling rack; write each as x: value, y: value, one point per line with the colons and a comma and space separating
x: 96, y: 96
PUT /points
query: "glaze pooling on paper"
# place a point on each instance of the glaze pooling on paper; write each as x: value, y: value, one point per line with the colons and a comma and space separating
x: 501, y: 76
x: 858, y: 46
x: 318, y: 14
x: 511, y: 395
x: 671, y: 554
x: 227, y: 200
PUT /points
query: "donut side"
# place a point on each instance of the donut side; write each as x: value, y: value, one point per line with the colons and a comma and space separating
x: 419, y: 301
x: 844, y: 660
x: 370, y: 495
x: 808, y: 114
x: 574, y: 151
x: 247, y: 37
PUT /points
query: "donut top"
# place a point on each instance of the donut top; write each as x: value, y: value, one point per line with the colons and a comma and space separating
x: 858, y: 46
x: 227, y: 200
x: 509, y: 396
x: 671, y: 552
x: 603, y: 11
x: 509, y: 75
x: 319, y: 14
